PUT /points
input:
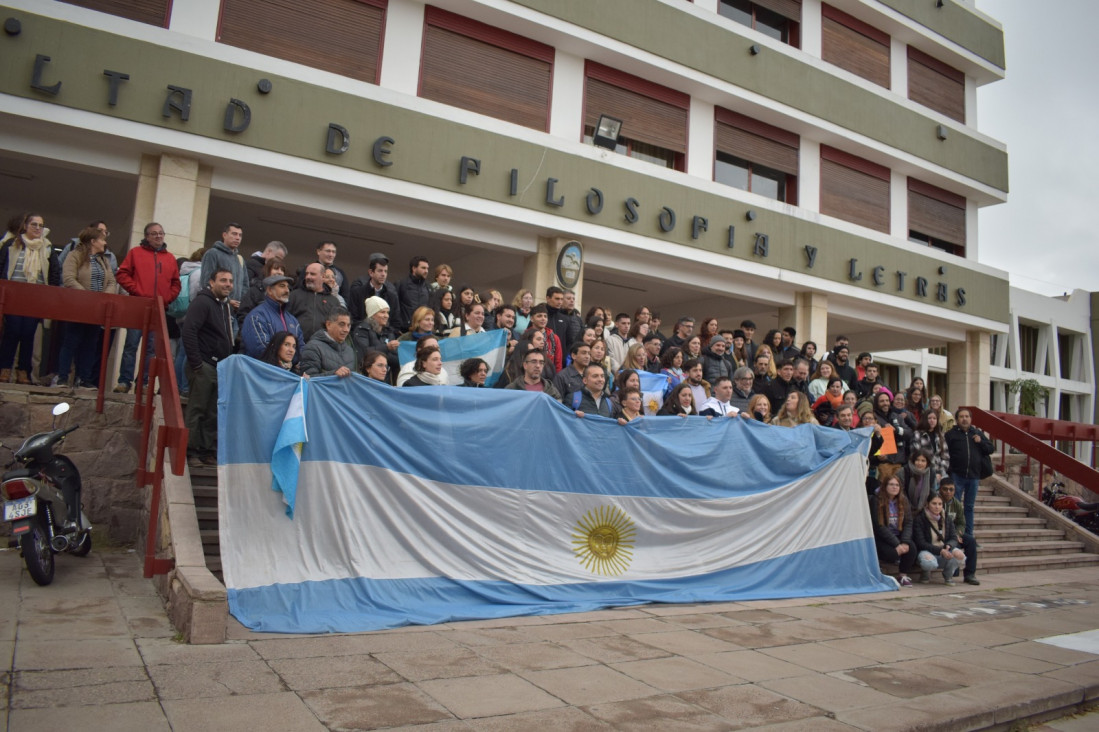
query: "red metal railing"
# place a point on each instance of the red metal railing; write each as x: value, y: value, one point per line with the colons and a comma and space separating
x: 1027, y: 434
x: 120, y: 311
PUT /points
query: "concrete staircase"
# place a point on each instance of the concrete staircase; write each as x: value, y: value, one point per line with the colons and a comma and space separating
x: 1015, y: 535
x: 204, y: 487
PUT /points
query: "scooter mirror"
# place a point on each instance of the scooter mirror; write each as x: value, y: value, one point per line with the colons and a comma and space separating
x: 60, y: 409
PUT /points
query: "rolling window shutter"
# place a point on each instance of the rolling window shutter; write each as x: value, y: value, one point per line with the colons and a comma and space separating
x: 854, y: 46
x: 485, y: 70
x: 153, y: 12
x: 936, y: 85
x: 650, y: 113
x: 786, y: 8
x: 346, y: 43
x: 854, y: 190
x: 936, y: 212
x: 756, y: 142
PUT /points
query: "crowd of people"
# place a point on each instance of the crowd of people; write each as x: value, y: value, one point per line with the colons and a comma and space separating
x: 319, y: 321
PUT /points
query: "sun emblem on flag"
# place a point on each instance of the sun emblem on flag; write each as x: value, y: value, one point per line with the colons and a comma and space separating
x: 603, y: 540
x: 653, y: 405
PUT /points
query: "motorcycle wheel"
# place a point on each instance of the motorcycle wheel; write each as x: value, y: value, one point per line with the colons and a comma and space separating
x: 38, y: 555
x: 85, y: 546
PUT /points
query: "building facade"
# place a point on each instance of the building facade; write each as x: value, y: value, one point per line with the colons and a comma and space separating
x: 793, y: 162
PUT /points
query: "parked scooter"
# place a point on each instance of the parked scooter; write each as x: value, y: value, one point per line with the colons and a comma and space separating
x: 1073, y: 507
x: 42, y: 501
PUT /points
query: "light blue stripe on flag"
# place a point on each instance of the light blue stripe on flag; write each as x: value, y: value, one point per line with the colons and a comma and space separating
x: 491, y: 346
x: 654, y: 387
x: 286, y: 457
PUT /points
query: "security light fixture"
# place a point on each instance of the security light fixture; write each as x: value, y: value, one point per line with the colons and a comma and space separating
x: 606, y: 132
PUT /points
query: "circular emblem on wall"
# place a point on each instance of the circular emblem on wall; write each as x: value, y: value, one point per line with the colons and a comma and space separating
x: 603, y: 541
x: 569, y: 262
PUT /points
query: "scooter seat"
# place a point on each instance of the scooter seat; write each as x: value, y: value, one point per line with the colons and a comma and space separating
x: 19, y: 473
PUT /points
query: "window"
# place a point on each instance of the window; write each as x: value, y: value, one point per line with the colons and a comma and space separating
x: 1028, y: 348
x: 936, y: 217
x: 347, y: 42
x: 854, y: 46
x: 936, y: 384
x: 755, y: 156
x: 936, y: 85
x: 153, y: 12
x: 484, y: 69
x: 778, y: 19
x: 854, y: 189
x: 654, y: 117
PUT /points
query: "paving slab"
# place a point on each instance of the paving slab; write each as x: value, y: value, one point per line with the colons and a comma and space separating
x: 306, y: 674
x: 753, y: 665
x: 564, y: 719
x: 696, y: 621
x: 365, y: 707
x: 110, y: 685
x: 280, y: 711
x: 1084, y: 675
x: 533, y: 656
x: 828, y: 692
x: 136, y: 717
x: 690, y: 643
x: 676, y: 674
x: 590, y: 685
x: 817, y: 657
x: 69, y: 654
x: 615, y: 648
x: 220, y: 678
x: 488, y: 696
x: 657, y: 713
x: 1046, y: 652
x: 749, y: 706
x: 876, y: 647
x: 440, y: 663
x: 899, y: 682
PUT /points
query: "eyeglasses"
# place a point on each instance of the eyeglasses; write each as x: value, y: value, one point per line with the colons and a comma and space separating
x: 155, y: 234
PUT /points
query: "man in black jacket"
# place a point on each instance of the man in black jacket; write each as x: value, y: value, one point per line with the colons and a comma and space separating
x: 968, y: 446
x: 568, y: 330
x: 780, y: 387
x: 412, y: 292
x: 373, y: 285
x: 207, y: 340
x: 309, y: 302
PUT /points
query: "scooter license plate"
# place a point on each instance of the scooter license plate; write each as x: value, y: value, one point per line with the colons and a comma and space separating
x: 21, y: 508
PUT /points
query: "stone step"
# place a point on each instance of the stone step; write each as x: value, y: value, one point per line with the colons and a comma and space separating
x: 204, y: 491
x: 1035, y: 563
x: 210, y: 537
x: 1011, y: 535
x: 989, y: 511
x: 1007, y: 522
x: 207, y: 517
x: 992, y: 549
x: 993, y: 501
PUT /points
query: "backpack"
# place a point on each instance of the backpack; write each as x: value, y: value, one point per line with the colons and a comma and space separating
x: 178, y: 307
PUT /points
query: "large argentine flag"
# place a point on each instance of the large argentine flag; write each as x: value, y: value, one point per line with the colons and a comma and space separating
x: 430, y: 505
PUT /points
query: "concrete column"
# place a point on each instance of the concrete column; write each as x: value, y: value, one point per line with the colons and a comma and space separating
x: 809, y: 317
x: 175, y: 192
x: 540, y: 270
x: 567, y: 110
x: 898, y: 205
x: 898, y: 66
x: 197, y: 18
x: 809, y: 175
x: 401, y: 47
x: 811, y: 27
x: 968, y: 371
x: 700, y: 140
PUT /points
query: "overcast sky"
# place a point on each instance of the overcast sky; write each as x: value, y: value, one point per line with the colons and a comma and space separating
x: 1047, y: 112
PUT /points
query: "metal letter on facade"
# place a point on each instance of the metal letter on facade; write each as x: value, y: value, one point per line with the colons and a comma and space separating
x: 179, y: 99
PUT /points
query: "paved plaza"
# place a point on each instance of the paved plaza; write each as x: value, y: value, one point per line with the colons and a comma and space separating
x: 95, y: 649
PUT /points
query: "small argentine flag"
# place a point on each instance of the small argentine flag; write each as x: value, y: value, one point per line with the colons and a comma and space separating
x: 653, y: 389
x: 286, y: 457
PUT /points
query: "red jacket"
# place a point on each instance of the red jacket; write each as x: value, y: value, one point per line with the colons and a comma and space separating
x: 147, y: 272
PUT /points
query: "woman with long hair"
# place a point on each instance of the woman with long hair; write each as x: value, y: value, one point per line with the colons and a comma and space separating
x: 740, y: 349
x: 376, y: 366
x: 86, y: 268
x: 937, y: 542
x: 707, y: 331
x: 759, y: 407
x: 281, y: 350
x: 891, y: 517
x: 692, y: 348
x: 446, y: 315
x: 929, y: 438
x: 671, y: 365
x: 913, y: 401
x: 946, y: 417
x: 680, y: 403
x: 522, y: 302
x: 809, y: 353
x: 636, y: 358
x: 599, y: 357
x: 637, y: 333
x: 26, y: 257
x: 428, y: 369
x: 474, y: 371
x: 818, y: 382
x: 772, y: 369
x: 795, y: 411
